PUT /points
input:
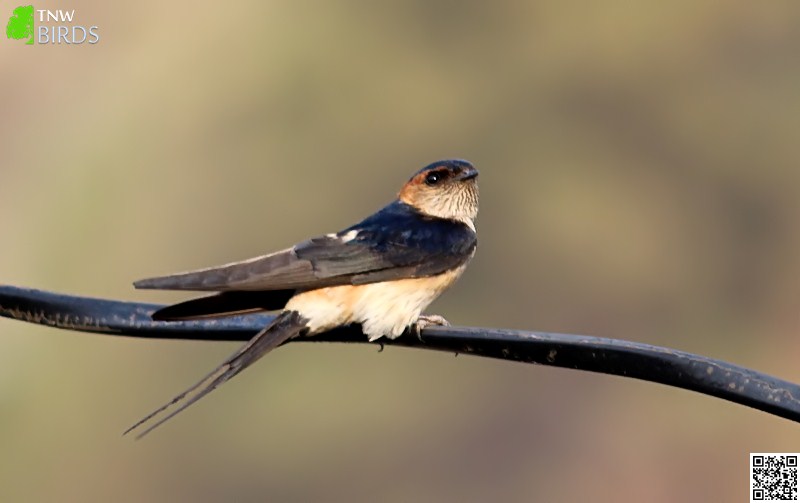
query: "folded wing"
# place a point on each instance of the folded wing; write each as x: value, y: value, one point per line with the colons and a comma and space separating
x: 385, y: 247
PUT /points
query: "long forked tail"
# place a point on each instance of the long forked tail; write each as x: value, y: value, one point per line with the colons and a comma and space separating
x: 287, y: 325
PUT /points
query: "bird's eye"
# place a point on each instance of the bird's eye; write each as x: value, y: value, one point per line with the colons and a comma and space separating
x: 433, y: 178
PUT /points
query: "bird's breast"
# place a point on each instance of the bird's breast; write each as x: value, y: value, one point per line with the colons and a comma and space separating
x: 383, y: 309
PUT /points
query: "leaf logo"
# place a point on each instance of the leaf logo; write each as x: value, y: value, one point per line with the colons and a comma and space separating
x: 20, y: 24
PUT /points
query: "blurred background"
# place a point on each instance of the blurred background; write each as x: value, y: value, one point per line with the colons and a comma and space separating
x: 639, y: 180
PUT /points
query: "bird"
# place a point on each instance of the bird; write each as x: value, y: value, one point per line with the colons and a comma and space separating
x: 380, y: 273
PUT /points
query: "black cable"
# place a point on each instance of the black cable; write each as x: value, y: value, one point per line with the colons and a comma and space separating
x: 609, y: 356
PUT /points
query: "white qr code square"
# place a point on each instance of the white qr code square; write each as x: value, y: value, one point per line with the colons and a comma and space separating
x: 773, y: 477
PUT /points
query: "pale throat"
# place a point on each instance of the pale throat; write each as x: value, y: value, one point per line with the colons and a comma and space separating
x: 461, y: 206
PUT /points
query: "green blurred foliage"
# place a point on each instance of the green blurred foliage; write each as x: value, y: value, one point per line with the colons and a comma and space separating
x: 639, y: 180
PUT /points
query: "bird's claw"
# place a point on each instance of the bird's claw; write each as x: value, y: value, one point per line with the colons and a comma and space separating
x: 427, y: 320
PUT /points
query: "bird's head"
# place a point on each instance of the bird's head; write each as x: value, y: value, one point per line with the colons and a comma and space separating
x: 445, y: 189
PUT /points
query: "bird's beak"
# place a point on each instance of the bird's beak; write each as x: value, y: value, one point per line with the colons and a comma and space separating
x: 467, y: 174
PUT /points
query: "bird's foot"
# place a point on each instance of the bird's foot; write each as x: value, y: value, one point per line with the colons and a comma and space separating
x: 428, y: 320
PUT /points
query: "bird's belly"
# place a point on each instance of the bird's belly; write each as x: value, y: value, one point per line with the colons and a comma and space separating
x: 383, y: 309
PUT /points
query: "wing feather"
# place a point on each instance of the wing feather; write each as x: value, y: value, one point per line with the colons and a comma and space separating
x: 392, y: 244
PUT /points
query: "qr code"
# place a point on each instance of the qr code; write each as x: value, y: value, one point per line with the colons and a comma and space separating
x: 773, y: 477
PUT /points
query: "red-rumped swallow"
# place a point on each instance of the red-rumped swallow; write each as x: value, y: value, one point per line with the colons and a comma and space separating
x: 381, y: 272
